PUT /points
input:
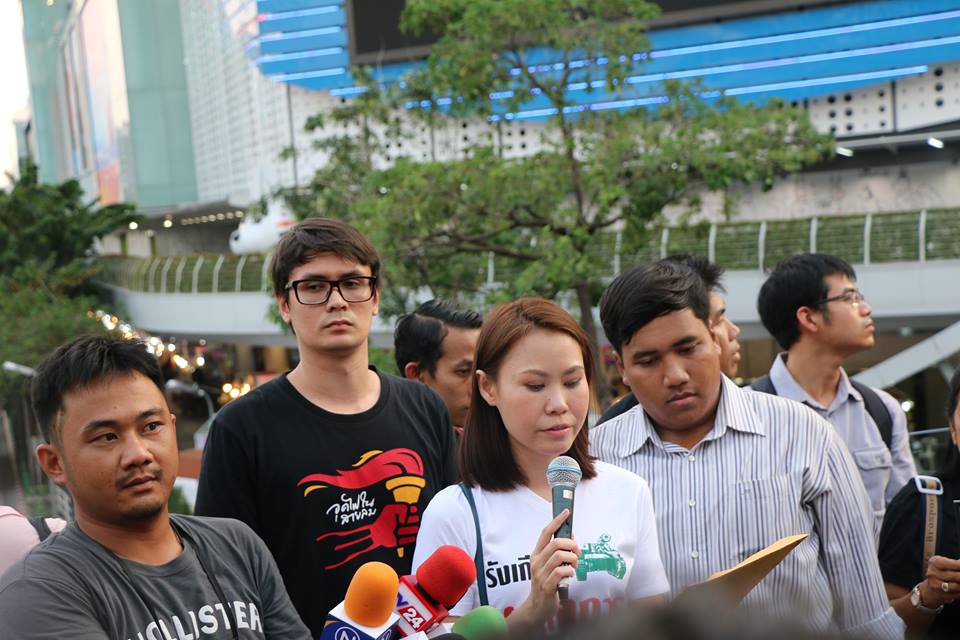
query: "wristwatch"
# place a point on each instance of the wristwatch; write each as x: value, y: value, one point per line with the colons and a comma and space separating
x: 918, y: 603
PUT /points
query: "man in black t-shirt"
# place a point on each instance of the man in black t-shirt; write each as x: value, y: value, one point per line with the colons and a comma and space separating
x: 332, y: 463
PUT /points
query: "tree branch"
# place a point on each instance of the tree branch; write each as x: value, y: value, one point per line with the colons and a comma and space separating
x: 517, y: 61
x: 475, y: 247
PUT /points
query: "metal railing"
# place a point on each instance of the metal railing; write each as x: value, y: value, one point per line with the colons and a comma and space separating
x: 913, y: 236
x: 927, y: 446
x: 202, y: 273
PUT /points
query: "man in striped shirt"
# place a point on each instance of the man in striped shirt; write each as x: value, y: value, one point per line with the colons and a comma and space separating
x: 731, y: 470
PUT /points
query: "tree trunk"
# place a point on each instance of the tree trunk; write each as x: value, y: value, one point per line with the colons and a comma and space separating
x: 601, y: 388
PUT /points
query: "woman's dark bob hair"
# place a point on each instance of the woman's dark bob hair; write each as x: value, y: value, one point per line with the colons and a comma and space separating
x: 486, y: 459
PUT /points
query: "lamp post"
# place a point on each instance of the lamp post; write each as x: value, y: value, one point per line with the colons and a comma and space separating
x: 191, y: 388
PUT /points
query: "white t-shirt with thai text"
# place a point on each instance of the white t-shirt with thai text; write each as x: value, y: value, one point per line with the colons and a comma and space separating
x: 613, y: 523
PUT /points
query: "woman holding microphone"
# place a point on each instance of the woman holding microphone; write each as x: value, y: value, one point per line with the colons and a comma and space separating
x: 531, y: 397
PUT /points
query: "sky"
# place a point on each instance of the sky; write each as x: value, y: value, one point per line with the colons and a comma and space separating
x: 14, y: 89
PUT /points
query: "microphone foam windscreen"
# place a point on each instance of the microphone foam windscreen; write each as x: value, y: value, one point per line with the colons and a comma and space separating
x: 482, y: 622
x: 372, y: 594
x: 563, y: 471
x: 446, y: 575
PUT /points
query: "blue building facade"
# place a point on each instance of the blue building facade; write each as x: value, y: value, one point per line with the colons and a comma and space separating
x: 793, y: 55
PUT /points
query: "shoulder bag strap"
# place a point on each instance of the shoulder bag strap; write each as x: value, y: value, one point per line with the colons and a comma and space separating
x: 43, y: 529
x: 478, y: 556
x: 877, y: 410
x: 764, y: 384
x: 930, y: 490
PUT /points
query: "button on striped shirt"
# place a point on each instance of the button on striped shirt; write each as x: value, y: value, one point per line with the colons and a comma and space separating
x: 769, y: 468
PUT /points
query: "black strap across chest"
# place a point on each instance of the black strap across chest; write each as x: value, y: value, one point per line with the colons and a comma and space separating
x: 478, y: 556
x: 41, y: 526
x: 874, y: 405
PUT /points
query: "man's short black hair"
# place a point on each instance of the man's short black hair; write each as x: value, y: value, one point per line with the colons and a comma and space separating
x: 82, y: 362
x: 709, y: 272
x: 419, y: 335
x: 644, y: 293
x: 798, y: 281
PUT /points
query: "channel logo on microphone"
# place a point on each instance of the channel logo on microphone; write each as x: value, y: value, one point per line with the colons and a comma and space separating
x: 424, y: 599
x: 366, y: 612
x: 341, y: 631
x: 410, y: 614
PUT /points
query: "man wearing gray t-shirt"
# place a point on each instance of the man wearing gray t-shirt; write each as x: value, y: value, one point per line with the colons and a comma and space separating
x: 126, y: 568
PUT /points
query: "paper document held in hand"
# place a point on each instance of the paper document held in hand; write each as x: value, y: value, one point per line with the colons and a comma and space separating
x: 735, y: 583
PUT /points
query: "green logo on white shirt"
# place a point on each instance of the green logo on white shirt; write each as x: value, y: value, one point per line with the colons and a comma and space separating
x: 601, y: 556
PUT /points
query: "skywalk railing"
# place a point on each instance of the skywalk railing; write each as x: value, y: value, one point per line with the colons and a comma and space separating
x: 911, y: 236
x: 201, y: 273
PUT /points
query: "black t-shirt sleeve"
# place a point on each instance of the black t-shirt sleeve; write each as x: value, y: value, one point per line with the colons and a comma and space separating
x: 430, y: 417
x: 451, y: 473
x: 228, y: 475
x: 901, y: 538
x: 442, y: 427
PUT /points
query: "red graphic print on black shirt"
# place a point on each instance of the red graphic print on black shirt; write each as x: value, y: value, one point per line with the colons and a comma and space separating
x: 401, y: 472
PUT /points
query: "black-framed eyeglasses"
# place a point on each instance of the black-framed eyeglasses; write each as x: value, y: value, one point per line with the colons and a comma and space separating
x: 318, y: 290
x: 851, y: 296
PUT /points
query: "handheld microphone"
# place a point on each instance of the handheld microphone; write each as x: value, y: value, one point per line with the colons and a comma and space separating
x: 483, y: 622
x: 563, y: 475
x: 423, y: 599
x: 366, y: 612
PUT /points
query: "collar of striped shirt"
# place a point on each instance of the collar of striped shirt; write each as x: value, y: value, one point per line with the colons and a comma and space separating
x: 788, y: 387
x: 733, y: 412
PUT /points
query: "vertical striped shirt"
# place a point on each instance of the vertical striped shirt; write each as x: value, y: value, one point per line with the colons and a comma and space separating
x: 769, y: 468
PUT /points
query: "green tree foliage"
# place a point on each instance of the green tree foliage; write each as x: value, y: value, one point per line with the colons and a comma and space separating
x: 41, y: 222
x: 47, y: 234
x: 599, y: 168
x: 493, y: 45
x: 547, y: 218
x: 178, y: 502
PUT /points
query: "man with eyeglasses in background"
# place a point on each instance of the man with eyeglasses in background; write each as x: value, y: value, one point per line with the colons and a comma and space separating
x: 810, y: 304
x: 333, y: 462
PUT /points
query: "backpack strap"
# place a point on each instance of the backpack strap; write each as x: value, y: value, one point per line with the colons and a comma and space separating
x: 764, y: 384
x: 877, y: 410
x: 873, y: 403
x: 478, y: 556
x: 931, y: 490
x: 43, y: 529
